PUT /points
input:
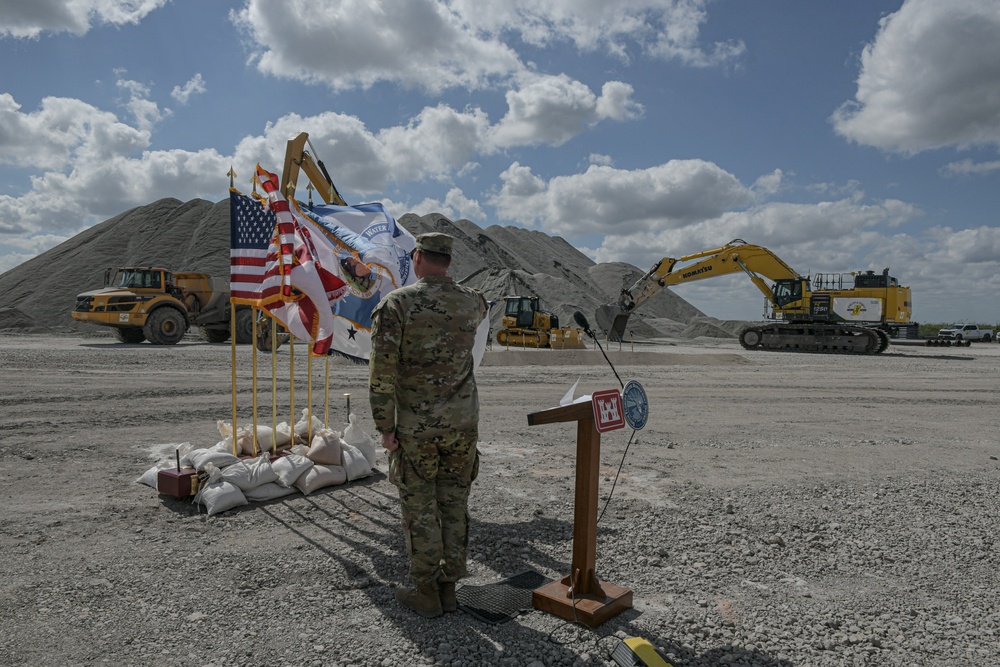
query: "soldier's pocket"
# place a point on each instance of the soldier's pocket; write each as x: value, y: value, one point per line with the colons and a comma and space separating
x: 475, y: 468
x: 396, y: 468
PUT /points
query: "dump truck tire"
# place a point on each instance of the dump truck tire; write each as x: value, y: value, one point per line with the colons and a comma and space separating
x: 129, y: 335
x: 165, y: 326
x: 244, y: 326
x: 215, y: 335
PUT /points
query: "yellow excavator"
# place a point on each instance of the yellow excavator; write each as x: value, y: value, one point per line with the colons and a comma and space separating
x: 840, y: 313
x: 525, y: 324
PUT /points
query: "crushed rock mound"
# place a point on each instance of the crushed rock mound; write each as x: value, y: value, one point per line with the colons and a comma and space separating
x: 194, y: 236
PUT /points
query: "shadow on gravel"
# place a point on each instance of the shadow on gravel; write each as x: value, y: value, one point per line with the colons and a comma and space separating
x: 357, y: 527
x: 946, y: 357
x: 605, y: 639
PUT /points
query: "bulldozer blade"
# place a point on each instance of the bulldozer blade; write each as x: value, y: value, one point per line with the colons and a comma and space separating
x: 612, y: 320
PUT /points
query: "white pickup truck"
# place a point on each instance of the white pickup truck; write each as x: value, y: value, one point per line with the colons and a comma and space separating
x: 966, y: 332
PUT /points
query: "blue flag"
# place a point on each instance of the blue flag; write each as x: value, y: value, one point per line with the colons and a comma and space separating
x: 374, y: 259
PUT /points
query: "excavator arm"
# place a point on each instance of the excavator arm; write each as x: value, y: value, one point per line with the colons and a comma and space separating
x: 757, y: 262
x: 296, y: 158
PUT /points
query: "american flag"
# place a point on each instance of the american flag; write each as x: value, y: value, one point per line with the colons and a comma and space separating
x: 251, y: 226
x: 293, y: 262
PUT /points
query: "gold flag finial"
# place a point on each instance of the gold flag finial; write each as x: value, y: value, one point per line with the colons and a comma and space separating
x: 232, y: 176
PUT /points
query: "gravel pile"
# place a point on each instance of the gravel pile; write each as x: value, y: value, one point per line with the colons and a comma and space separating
x: 778, y: 510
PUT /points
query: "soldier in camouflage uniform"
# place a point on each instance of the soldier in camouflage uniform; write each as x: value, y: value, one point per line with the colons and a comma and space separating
x: 425, y: 404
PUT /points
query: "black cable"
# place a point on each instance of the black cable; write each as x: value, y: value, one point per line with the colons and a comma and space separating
x: 613, y: 484
x: 606, y: 357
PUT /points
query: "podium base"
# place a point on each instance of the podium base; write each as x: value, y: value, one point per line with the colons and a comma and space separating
x: 591, y: 610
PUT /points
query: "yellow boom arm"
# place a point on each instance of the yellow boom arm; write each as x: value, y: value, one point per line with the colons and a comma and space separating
x: 737, y: 255
x: 296, y: 158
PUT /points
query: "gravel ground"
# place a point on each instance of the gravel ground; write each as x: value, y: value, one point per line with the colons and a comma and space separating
x: 779, y: 509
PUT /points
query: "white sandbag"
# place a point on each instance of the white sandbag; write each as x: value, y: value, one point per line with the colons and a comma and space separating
x: 199, y: 458
x: 288, y: 468
x: 149, y: 477
x: 301, y: 450
x: 325, y: 448
x: 320, y: 476
x: 269, y: 491
x: 250, y: 474
x: 184, y: 453
x: 354, y: 462
x: 308, y: 424
x: 267, y: 440
x: 355, y: 435
x: 224, y: 445
x: 219, y: 497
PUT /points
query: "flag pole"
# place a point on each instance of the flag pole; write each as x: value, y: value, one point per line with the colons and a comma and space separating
x: 309, y: 394
x: 274, y: 386
x: 253, y: 435
x: 232, y: 337
x: 291, y: 382
x: 326, y: 416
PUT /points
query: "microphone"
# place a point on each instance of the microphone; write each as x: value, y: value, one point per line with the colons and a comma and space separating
x: 581, y: 321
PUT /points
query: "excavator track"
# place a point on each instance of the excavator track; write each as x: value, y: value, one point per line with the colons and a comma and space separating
x: 813, y: 337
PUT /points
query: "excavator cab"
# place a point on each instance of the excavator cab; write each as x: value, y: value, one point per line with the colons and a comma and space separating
x: 787, y: 291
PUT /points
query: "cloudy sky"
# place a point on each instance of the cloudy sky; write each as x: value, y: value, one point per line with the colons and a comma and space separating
x: 843, y: 135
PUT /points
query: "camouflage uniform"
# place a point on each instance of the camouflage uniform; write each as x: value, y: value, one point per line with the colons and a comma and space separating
x: 421, y: 386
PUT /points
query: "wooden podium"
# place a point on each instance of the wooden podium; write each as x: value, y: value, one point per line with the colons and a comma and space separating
x: 581, y: 596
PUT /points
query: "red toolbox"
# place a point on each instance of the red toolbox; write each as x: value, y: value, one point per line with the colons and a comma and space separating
x: 177, y: 482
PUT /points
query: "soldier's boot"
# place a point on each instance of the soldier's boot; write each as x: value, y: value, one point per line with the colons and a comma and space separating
x: 422, y: 598
x: 449, y: 602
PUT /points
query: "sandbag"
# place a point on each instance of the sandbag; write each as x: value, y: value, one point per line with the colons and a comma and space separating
x: 325, y: 448
x: 200, y: 458
x: 355, y: 435
x: 269, y: 491
x: 320, y: 476
x: 219, y: 497
x: 354, y: 462
x: 288, y: 468
x: 250, y: 474
x: 308, y: 424
x: 149, y: 477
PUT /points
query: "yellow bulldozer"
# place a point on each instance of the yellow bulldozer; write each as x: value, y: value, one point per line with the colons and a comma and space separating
x: 525, y: 324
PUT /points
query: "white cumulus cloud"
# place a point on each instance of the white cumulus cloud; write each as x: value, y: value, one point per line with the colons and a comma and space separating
x: 554, y: 109
x: 434, y: 45
x: 930, y: 79
x: 194, y: 86
x: 616, y: 201
x: 30, y: 18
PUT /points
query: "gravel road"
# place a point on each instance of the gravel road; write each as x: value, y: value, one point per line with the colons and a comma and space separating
x: 779, y: 509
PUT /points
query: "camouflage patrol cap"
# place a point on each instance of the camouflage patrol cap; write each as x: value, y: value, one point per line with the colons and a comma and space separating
x: 435, y: 242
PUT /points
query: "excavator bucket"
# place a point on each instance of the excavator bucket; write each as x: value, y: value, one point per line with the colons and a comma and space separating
x: 613, y: 320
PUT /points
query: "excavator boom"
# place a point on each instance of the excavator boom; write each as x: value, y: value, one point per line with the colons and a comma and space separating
x: 296, y: 158
x: 821, y: 315
x: 737, y: 255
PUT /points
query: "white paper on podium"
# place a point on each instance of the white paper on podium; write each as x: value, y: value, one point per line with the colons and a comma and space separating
x: 568, y: 399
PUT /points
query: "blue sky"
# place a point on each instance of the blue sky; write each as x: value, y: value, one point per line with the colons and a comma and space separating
x: 844, y: 136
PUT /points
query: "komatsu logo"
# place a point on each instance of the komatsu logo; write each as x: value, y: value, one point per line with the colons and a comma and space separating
x: 703, y: 269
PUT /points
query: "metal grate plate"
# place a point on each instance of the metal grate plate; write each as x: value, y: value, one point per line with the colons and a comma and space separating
x: 502, y: 601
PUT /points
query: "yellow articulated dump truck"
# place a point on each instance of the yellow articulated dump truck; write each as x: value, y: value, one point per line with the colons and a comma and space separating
x: 158, y: 305
x: 525, y: 324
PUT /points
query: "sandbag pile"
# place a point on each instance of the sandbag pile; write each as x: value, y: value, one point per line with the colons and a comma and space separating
x: 227, y: 480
